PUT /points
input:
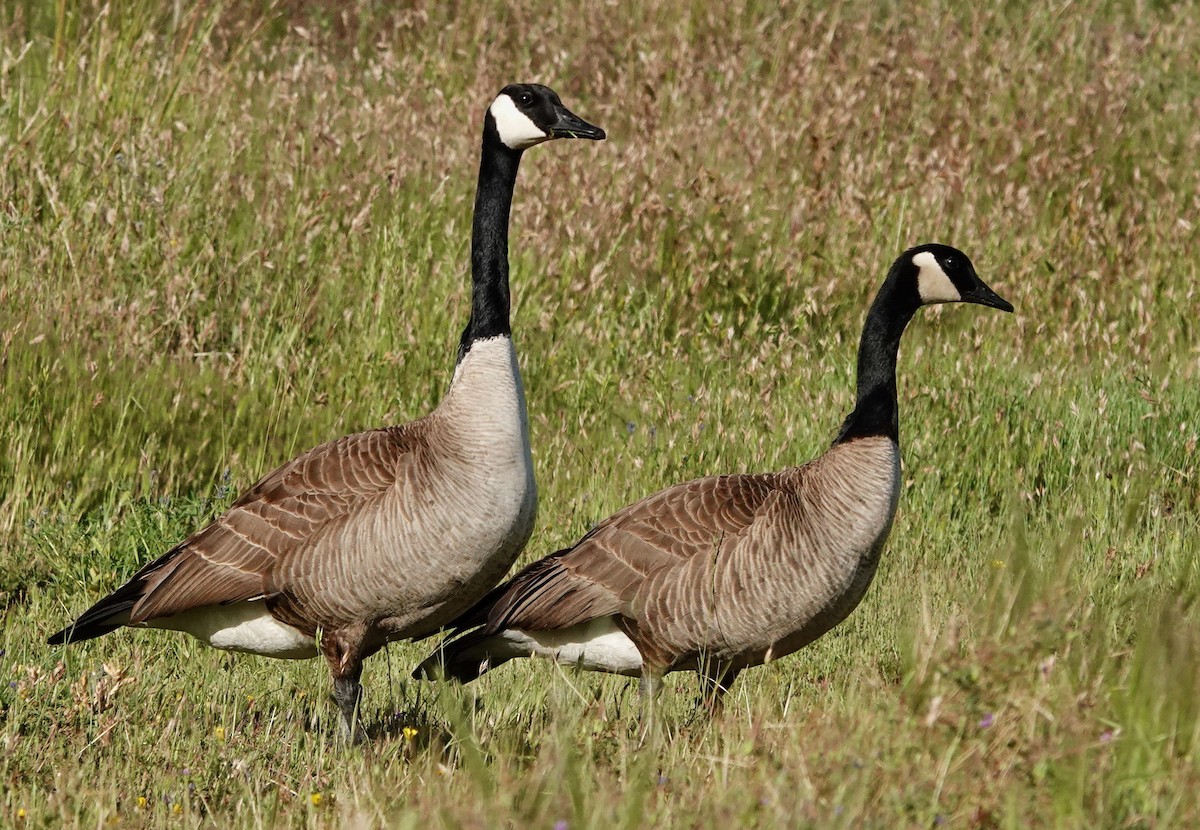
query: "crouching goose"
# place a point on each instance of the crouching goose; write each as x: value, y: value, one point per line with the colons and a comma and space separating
x: 727, y: 572
x: 387, y: 534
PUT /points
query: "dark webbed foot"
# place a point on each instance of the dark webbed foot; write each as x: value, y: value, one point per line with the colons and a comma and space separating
x: 649, y: 688
x: 347, y: 692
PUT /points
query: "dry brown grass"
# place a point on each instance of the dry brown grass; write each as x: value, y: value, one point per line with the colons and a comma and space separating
x: 229, y: 235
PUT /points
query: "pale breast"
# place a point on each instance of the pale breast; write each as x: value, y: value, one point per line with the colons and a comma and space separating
x: 492, y: 467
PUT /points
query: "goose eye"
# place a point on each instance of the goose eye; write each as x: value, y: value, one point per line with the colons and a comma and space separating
x: 948, y: 264
x: 526, y: 98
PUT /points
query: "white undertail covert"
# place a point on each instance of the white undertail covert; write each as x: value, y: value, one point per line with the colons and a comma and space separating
x: 242, y: 626
x: 596, y: 645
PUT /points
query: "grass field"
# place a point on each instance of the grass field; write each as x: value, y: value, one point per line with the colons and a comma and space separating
x: 231, y: 233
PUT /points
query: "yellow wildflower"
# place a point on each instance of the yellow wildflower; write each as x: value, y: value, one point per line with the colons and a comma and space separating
x: 219, y: 733
x: 21, y: 813
x: 177, y: 808
x: 997, y: 563
x: 410, y: 732
x: 316, y: 799
x: 141, y: 802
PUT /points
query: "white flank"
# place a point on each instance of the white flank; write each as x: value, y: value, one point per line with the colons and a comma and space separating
x: 516, y: 129
x: 242, y: 626
x: 596, y: 645
x: 932, y: 283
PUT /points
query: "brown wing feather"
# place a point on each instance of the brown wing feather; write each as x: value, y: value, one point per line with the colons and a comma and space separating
x: 233, y: 558
x: 601, y: 574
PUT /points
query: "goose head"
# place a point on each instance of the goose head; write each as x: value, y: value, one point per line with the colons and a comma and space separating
x: 941, y: 274
x: 527, y: 114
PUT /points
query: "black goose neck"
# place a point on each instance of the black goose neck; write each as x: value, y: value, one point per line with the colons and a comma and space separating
x: 876, y: 411
x: 489, y: 241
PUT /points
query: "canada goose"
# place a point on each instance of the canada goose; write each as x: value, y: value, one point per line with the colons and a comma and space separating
x: 387, y: 534
x: 726, y: 572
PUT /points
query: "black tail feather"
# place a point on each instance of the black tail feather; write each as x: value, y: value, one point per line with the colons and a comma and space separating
x: 74, y: 633
x: 452, y: 662
x: 114, y: 610
x: 107, y: 615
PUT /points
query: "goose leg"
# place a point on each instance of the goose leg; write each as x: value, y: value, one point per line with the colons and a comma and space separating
x: 347, y: 691
x: 649, y: 687
x: 715, y: 682
x: 345, y: 666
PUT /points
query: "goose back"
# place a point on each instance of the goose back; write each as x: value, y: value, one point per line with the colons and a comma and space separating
x: 460, y: 507
x: 742, y: 568
x: 391, y: 527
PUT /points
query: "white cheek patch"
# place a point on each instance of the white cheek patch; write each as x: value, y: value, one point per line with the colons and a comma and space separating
x: 515, y: 129
x: 932, y: 283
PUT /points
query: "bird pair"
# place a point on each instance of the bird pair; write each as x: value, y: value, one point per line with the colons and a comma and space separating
x: 401, y: 532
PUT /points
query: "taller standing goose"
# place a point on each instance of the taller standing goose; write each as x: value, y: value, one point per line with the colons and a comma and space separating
x: 387, y: 534
x: 727, y: 572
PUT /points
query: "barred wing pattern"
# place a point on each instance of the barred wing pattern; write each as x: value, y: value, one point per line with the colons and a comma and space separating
x: 739, y: 568
x: 332, y: 486
x: 603, y: 573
